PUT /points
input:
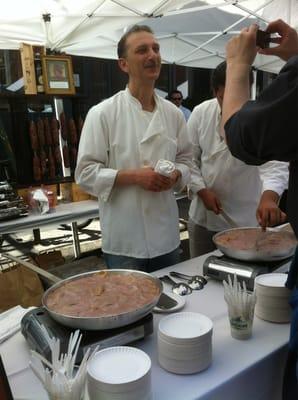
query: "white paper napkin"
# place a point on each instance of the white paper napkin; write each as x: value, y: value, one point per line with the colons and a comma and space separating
x: 10, y: 321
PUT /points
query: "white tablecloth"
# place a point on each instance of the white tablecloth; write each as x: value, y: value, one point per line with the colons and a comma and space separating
x: 241, y: 370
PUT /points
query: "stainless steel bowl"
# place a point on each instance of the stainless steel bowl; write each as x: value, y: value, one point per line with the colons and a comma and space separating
x: 256, y: 254
x: 104, y: 322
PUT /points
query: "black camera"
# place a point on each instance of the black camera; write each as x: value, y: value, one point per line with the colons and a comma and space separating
x: 262, y: 39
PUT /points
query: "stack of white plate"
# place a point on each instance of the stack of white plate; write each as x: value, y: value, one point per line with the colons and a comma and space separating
x: 272, y: 298
x: 185, y: 342
x: 119, y: 373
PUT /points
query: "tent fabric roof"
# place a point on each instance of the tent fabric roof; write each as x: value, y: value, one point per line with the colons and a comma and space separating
x: 191, y: 33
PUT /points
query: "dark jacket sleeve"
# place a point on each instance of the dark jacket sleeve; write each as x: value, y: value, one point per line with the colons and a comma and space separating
x: 267, y: 128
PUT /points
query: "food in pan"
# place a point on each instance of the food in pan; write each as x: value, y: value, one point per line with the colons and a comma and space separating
x: 102, y: 294
x: 255, y: 239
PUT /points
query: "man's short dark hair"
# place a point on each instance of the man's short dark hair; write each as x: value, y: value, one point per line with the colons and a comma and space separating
x: 175, y: 91
x: 218, y: 76
x: 121, y: 48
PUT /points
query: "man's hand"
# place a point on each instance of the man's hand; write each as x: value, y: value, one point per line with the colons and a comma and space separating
x: 287, y: 42
x: 147, y: 178
x: 150, y: 180
x: 210, y: 200
x: 268, y: 213
x: 241, y: 50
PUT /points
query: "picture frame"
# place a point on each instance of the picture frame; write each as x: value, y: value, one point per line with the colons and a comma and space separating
x: 57, y: 74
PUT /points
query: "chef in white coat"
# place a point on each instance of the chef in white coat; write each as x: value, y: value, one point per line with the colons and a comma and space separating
x: 220, y: 182
x: 122, y: 139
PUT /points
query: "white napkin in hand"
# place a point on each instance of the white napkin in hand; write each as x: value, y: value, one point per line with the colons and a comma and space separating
x: 10, y: 321
x: 164, y: 167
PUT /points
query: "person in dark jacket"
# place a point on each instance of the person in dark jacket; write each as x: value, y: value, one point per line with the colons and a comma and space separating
x: 267, y: 129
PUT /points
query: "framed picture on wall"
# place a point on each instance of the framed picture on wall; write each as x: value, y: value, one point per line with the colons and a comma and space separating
x: 58, y: 74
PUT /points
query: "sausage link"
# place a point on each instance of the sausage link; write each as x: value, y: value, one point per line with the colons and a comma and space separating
x: 47, y: 131
x: 33, y: 136
x: 72, y: 135
x: 63, y: 124
x: 66, y: 156
x: 36, y: 168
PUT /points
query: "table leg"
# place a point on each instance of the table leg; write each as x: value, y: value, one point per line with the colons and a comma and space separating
x: 76, y: 240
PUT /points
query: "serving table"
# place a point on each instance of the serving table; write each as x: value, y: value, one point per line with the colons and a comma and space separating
x: 246, y: 370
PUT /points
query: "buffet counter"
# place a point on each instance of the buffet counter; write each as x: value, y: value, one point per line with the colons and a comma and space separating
x: 249, y: 369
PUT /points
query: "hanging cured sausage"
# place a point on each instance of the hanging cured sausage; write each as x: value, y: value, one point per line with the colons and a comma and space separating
x: 57, y: 156
x: 73, y: 157
x: 72, y: 133
x: 52, y: 168
x: 43, y: 162
x: 36, y: 168
x: 33, y: 136
x: 40, y: 133
x: 63, y: 124
x: 80, y: 124
x: 66, y: 157
x: 55, y: 131
x: 47, y: 132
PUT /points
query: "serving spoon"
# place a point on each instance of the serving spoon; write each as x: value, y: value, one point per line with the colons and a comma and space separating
x: 196, y: 282
x: 180, y: 288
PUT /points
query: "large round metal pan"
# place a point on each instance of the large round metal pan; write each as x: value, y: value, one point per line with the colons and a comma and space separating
x: 255, y: 253
x: 103, y: 322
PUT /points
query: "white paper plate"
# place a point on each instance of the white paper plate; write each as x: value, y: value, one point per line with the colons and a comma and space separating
x: 180, y: 304
x: 182, y: 366
x: 119, y: 365
x: 272, y: 315
x: 272, y: 280
x: 185, y: 325
x: 187, y: 350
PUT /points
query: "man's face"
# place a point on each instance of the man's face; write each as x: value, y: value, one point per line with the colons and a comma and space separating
x: 176, y: 98
x: 142, y: 60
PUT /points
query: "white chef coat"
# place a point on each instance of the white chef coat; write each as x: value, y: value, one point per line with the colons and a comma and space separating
x: 118, y: 134
x: 238, y: 186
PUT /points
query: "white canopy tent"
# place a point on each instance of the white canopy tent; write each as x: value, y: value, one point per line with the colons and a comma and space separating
x: 191, y: 33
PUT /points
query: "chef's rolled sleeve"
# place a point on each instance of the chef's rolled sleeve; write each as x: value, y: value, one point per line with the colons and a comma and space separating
x: 184, y: 179
x: 96, y: 180
x: 92, y: 171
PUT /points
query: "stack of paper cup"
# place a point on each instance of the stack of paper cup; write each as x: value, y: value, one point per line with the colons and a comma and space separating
x: 185, y: 342
x: 272, y: 298
x: 119, y: 373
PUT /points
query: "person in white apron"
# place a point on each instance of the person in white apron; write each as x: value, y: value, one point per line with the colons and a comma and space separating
x: 221, y: 182
x: 122, y: 140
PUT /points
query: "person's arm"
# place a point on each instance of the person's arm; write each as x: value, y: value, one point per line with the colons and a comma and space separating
x: 197, y: 186
x: 146, y: 178
x: 240, y: 54
x: 181, y: 176
x: 265, y: 129
x: 193, y: 130
x: 92, y: 171
x: 268, y: 213
x: 274, y: 175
